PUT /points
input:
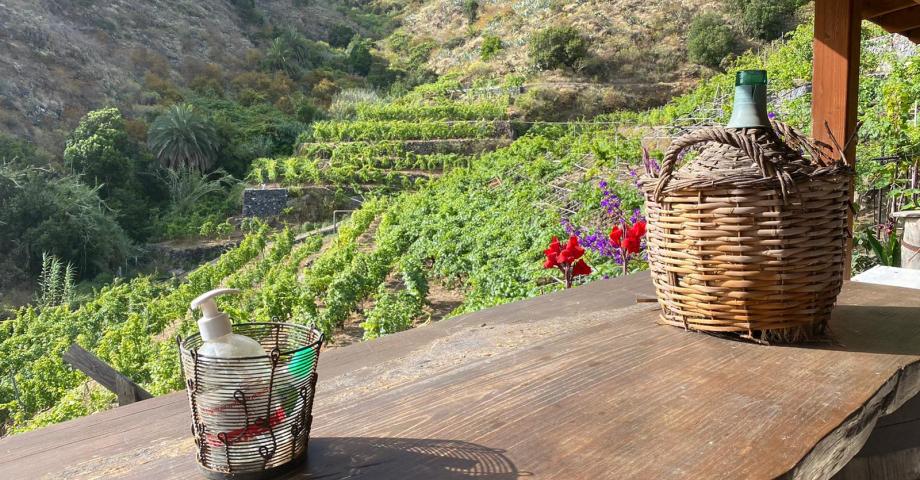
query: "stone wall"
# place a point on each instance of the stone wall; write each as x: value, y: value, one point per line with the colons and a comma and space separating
x: 264, y: 202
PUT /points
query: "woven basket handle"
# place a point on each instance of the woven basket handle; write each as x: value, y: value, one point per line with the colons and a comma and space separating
x: 745, y: 143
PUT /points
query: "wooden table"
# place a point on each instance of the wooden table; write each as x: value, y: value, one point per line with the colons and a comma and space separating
x: 579, y: 384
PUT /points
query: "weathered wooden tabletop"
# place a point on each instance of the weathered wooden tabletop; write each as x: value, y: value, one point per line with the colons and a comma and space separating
x: 578, y: 384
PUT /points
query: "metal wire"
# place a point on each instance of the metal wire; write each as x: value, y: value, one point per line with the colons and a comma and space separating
x: 253, y: 415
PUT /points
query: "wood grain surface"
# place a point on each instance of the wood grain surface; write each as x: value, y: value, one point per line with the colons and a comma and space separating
x: 579, y: 384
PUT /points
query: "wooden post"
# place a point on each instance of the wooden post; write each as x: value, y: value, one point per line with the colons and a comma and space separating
x: 835, y: 83
x: 126, y: 390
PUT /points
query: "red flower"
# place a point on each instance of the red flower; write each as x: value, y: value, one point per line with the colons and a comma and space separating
x: 633, y: 241
x: 551, y: 253
x: 615, y: 236
x: 638, y: 230
x: 571, y: 252
x: 581, y: 268
x: 631, y: 244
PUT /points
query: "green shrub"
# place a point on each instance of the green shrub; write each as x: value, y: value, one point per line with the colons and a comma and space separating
x: 306, y: 111
x: 20, y: 152
x: 710, y: 40
x: 764, y: 19
x: 471, y: 10
x: 345, y: 103
x: 359, y: 56
x: 491, y: 45
x: 58, y: 214
x: 340, y: 35
x: 557, y: 47
x: 247, y: 11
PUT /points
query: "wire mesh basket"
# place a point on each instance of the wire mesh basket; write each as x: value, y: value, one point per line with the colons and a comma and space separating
x: 251, y: 416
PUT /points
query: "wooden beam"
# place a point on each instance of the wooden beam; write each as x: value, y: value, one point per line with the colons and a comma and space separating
x: 875, y: 8
x: 835, y: 83
x: 913, y: 35
x: 126, y: 390
x: 900, y: 21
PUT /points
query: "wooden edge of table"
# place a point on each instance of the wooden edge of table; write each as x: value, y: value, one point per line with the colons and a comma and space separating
x: 838, y: 447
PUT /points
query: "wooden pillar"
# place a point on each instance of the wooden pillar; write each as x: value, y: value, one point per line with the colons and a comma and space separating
x: 835, y: 83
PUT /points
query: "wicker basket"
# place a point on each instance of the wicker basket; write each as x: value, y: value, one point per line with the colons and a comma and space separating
x: 748, y: 237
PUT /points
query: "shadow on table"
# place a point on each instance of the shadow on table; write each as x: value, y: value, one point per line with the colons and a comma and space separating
x: 874, y: 329
x: 404, y: 458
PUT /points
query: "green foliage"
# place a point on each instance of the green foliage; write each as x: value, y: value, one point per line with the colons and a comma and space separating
x: 446, y: 110
x: 102, y: 153
x: 306, y: 111
x: 710, y: 40
x: 764, y: 19
x: 359, y: 56
x: 15, y: 151
x: 56, y: 282
x: 340, y: 35
x: 395, y: 311
x: 118, y: 325
x: 887, y: 252
x: 345, y: 103
x: 557, y: 47
x: 183, y: 138
x: 196, y: 202
x: 187, y: 188
x: 470, y: 10
x: 247, y: 11
x: 491, y: 46
x: 399, y: 130
x: 248, y: 132
x: 290, y: 53
x: 58, y: 214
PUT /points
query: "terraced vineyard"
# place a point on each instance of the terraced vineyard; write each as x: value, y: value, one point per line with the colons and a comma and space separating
x: 391, y: 144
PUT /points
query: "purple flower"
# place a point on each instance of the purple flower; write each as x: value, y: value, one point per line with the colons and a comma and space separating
x: 771, y: 115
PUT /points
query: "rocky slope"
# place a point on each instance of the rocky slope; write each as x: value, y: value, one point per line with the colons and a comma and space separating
x: 632, y: 42
x: 62, y: 58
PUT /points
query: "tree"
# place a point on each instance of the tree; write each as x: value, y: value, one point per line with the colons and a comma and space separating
x: 182, y: 138
x: 100, y: 150
x: 557, y: 47
x: 359, y: 56
x: 281, y: 56
x: 710, y: 40
x: 102, y: 153
x: 60, y: 215
x: 340, y: 35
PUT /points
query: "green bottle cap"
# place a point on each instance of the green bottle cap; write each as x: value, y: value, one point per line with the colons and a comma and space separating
x: 751, y: 77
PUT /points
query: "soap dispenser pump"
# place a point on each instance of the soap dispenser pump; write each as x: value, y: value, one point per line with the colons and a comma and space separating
x: 217, y: 335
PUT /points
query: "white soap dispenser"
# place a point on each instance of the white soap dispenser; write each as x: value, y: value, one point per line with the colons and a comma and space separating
x: 217, y: 331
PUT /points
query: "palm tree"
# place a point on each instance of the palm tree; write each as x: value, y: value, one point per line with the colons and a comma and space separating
x: 181, y: 138
x: 283, y: 56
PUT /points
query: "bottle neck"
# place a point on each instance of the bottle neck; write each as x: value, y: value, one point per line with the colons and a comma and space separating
x: 750, y: 107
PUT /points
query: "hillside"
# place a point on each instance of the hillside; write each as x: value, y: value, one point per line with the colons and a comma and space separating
x: 61, y: 59
x: 637, y: 50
